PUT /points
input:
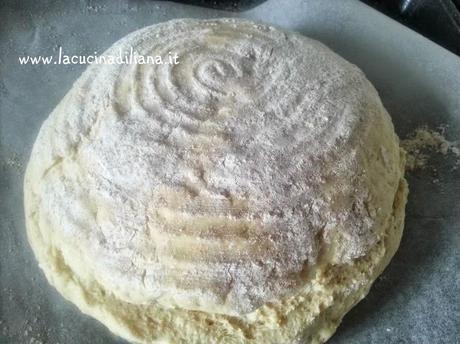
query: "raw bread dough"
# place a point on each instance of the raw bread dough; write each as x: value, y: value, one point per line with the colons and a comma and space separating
x: 249, y: 194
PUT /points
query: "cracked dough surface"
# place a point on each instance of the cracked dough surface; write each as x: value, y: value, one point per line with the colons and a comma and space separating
x: 249, y: 194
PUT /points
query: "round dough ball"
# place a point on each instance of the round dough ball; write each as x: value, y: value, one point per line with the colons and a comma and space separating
x: 250, y: 193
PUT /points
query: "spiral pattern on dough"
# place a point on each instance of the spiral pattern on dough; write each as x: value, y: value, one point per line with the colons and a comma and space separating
x: 202, y: 184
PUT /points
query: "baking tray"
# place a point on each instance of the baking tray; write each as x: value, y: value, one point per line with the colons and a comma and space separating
x: 417, y: 298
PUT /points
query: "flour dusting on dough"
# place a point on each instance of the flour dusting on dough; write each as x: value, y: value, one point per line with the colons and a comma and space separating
x: 250, y: 194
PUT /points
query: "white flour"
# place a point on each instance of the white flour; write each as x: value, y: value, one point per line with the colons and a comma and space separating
x: 422, y: 143
x: 221, y: 182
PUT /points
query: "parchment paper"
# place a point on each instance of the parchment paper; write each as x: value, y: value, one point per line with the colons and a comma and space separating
x: 417, y: 298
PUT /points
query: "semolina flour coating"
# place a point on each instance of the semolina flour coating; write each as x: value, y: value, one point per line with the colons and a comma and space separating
x: 250, y: 193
